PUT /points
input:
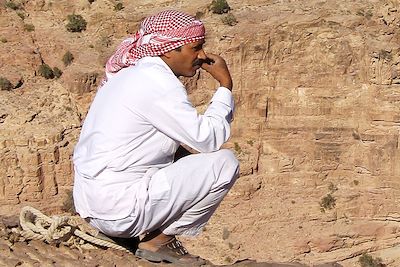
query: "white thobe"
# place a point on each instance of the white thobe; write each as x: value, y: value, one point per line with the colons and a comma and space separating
x: 124, y: 157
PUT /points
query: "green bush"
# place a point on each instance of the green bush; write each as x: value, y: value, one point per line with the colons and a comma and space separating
x: 46, y: 72
x: 12, y: 5
x: 76, y: 23
x: 21, y: 15
x: 328, y: 202
x: 57, y: 72
x: 368, y: 261
x: 5, y: 84
x: 29, y: 27
x: 219, y: 6
x: 118, y: 6
x: 237, y: 148
x: 229, y: 20
x: 68, y: 58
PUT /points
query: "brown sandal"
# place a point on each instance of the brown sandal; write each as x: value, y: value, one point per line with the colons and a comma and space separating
x: 173, y: 252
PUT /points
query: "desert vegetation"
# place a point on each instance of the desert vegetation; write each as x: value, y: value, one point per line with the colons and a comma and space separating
x: 76, y: 23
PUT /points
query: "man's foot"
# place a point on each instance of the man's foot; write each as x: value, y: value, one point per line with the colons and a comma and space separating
x: 169, y: 250
x: 173, y: 251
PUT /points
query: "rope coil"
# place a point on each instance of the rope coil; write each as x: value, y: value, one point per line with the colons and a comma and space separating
x: 37, y: 226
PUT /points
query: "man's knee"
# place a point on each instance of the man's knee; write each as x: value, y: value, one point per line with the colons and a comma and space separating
x: 228, y: 157
x: 228, y: 161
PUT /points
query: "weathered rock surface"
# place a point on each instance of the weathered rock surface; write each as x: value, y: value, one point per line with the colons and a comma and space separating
x: 317, y: 88
x: 25, y: 250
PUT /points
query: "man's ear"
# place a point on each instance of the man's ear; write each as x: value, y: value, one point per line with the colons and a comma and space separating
x: 168, y: 54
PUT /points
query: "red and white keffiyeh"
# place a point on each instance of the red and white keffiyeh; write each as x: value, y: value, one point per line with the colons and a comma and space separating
x: 158, y: 35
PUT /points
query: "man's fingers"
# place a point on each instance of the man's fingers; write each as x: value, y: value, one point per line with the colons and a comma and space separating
x: 217, y: 67
x: 209, y: 61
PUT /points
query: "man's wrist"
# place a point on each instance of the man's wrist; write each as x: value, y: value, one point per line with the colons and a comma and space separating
x: 228, y: 85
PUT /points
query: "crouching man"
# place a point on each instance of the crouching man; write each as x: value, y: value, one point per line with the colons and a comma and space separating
x: 127, y: 182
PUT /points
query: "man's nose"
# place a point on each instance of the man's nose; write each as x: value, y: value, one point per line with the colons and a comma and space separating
x: 202, y: 54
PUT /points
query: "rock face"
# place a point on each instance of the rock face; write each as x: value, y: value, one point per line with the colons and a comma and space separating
x: 38, y: 130
x: 317, y: 89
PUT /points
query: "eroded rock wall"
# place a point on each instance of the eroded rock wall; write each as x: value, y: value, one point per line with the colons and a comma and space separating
x: 38, y: 131
x: 317, y: 90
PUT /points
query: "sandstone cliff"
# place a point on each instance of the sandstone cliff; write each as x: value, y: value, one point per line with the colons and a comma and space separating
x: 317, y: 88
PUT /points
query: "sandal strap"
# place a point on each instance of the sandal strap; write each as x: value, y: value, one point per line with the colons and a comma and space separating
x: 176, y: 246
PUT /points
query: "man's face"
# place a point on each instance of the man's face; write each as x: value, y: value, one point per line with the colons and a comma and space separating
x: 187, y: 60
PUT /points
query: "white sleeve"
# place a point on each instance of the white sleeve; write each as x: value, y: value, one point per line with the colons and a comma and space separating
x: 174, y: 115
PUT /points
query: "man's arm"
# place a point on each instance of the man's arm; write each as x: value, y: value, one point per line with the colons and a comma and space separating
x: 173, y: 114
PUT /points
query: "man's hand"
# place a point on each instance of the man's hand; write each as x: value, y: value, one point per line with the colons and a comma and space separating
x: 216, y: 66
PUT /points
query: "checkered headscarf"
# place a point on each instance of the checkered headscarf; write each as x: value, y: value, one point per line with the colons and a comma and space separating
x: 158, y: 35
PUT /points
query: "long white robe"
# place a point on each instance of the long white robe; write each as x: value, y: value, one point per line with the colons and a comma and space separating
x: 130, y: 135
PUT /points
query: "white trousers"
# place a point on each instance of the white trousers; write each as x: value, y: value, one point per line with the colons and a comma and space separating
x: 181, y: 197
